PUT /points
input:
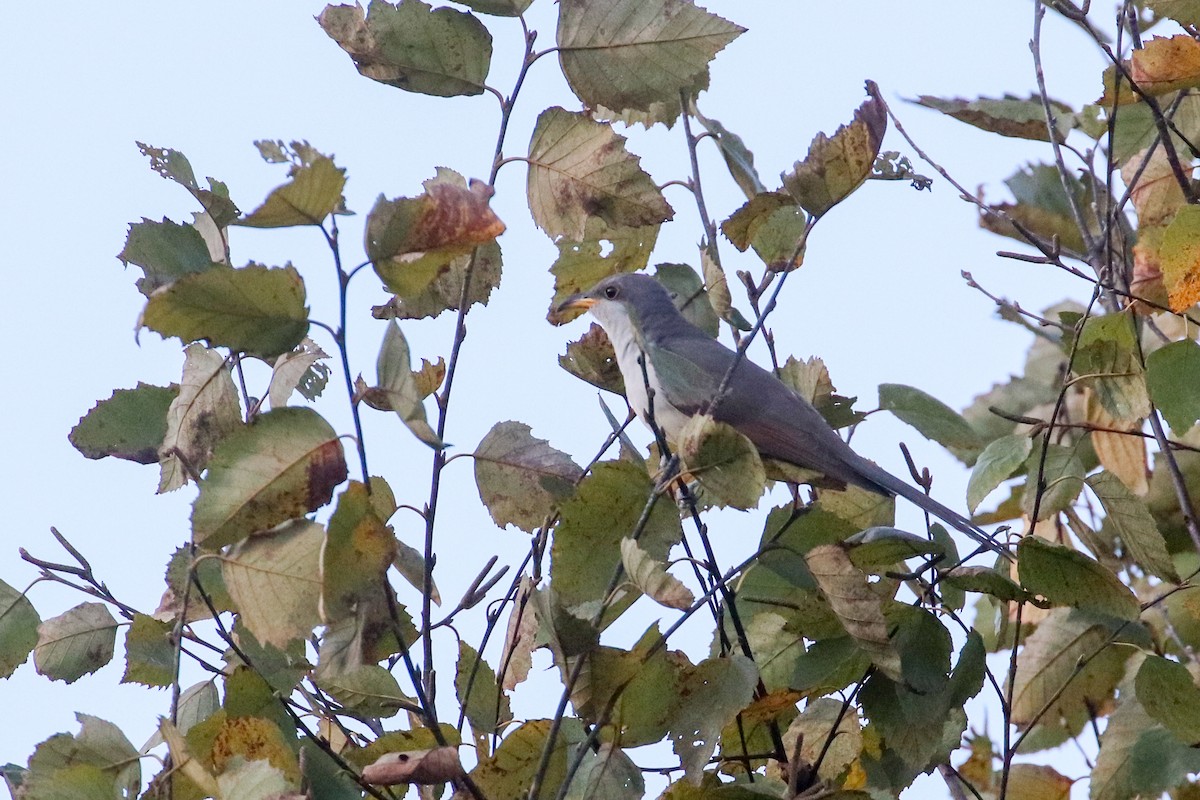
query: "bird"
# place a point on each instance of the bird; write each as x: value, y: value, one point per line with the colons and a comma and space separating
x: 685, y: 367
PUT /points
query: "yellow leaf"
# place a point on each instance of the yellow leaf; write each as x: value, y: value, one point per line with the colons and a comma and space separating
x: 1180, y: 258
x: 1122, y: 451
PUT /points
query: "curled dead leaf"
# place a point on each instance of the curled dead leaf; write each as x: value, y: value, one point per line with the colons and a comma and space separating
x: 422, y: 767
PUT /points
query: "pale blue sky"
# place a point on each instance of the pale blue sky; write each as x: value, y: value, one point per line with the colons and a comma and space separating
x: 880, y: 297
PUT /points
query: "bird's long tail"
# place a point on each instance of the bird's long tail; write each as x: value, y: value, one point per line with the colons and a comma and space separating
x: 876, y: 475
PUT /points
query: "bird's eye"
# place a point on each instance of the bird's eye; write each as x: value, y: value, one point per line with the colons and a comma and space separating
x: 610, y: 292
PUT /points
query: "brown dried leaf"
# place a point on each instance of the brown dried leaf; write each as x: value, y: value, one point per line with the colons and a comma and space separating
x: 422, y: 767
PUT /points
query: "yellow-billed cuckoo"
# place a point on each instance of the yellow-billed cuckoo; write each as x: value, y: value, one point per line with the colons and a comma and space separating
x: 685, y: 368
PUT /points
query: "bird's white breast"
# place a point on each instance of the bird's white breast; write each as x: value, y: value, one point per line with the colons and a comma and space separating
x: 613, y: 317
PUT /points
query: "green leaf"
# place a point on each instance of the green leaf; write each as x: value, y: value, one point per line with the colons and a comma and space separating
x: 1185, y: 12
x: 522, y: 479
x: 996, y: 464
x: 717, y: 286
x: 857, y: 607
x: 252, y: 780
x: 369, y: 690
x: 412, y: 46
x: 634, y: 55
x: 1128, y: 517
x: 713, y: 692
x: 924, y: 646
x: 182, y: 569
x: 836, y: 166
x: 19, y: 623
x: 652, y: 579
x: 131, y: 424
x: 1041, y: 206
x: 738, y: 157
x: 205, y: 410
x: 486, y: 707
x: 397, y: 389
x: 1068, y: 577
x: 401, y: 741
x: 826, y: 732
x: 357, y: 552
x: 829, y: 665
x: 75, y: 643
x: 313, y: 192
x: 725, y: 461
x: 743, y: 225
x: 174, y: 166
x: 1135, y: 128
x: 1173, y: 377
x: 1138, y: 758
x: 433, y: 284
x: 1108, y: 352
x: 910, y: 732
x: 283, y: 465
x: 932, y: 418
x: 606, y: 774
x: 165, y: 251
x: 149, y: 652
x: 508, y: 774
x: 1061, y: 480
x: 810, y: 379
x: 881, y: 546
x: 639, y: 688
x: 586, y: 549
x: 1049, y: 672
x: 1169, y: 694
x: 579, y: 168
x: 687, y: 293
x: 274, y: 580
x: 602, y: 251
x: 591, y: 358
x: 779, y: 239
x: 98, y: 764
x: 500, y: 8
x: 255, y: 309
x: 197, y: 703
x: 1007, y: 116
x: 986, y: 580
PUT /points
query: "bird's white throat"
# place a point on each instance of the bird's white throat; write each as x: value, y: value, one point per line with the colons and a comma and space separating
x: 614, y: 318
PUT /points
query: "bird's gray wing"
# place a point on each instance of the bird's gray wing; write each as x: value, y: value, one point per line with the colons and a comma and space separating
x: 780, y: 423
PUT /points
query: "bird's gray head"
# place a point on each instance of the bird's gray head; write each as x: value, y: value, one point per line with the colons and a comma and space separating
x: 629, y: 300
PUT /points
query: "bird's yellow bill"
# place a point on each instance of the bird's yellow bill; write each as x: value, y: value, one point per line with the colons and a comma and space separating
x: 561, y: 313
x: 577, y: 301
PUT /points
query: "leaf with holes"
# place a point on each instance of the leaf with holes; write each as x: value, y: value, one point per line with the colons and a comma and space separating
x: 857, y: 607
x: 522, y: 479
x: 835, y: 166
x: 436, y: 51
x: 312, y: 193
